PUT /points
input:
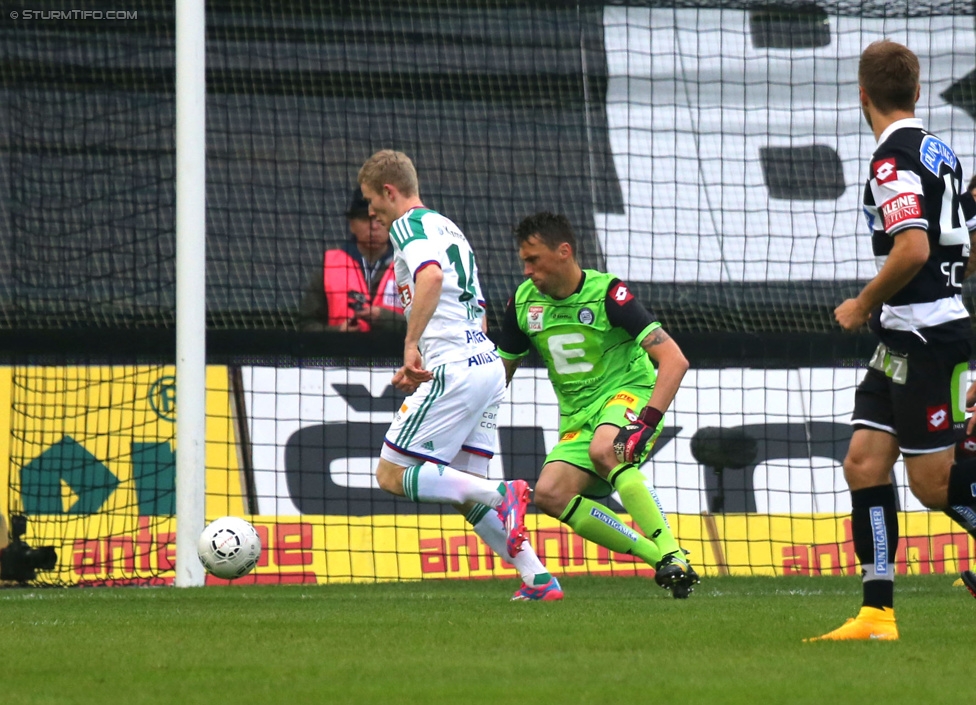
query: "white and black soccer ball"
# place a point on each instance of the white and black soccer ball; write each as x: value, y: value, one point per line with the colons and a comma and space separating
x: 229, y: 547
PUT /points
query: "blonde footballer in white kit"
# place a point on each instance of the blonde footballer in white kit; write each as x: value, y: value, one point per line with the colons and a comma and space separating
x: 438, y: 447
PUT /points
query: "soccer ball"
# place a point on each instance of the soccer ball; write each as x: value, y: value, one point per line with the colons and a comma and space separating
x: 229, y: 547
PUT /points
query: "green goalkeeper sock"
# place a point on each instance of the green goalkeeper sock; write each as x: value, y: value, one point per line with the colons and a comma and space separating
x: 601, y: 525
x: 642, y: 506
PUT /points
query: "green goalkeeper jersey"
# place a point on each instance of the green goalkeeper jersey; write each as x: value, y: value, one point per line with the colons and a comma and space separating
x: 589, y: 342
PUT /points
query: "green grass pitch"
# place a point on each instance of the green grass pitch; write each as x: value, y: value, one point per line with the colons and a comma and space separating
x: 622, y: 640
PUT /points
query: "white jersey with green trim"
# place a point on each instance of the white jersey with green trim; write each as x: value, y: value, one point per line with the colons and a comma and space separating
x: 422, y: 237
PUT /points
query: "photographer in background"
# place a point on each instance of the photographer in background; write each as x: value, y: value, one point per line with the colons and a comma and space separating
x: 355, y: 290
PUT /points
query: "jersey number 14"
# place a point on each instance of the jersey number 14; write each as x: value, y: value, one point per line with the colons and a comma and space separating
x: 465, y: 278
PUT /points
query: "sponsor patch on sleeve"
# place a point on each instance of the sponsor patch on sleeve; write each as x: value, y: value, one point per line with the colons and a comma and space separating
x: 406, y: 298
x: 884, y: 170
x: 904, y: 206
x: 620, y: 293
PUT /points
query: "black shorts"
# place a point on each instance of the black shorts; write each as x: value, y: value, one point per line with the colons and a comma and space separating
x: 918, y: 396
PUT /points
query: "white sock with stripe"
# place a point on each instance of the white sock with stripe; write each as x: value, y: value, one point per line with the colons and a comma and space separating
x: 438, y: 483
x: 491, y: 530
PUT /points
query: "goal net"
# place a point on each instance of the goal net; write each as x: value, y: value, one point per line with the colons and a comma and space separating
x: 711, y: 154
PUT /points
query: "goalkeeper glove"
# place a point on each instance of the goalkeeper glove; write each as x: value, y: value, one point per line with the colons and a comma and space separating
x: 632, y: 440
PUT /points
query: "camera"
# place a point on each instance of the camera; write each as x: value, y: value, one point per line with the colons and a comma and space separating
x: 357, y: 301
x: 18, y: 561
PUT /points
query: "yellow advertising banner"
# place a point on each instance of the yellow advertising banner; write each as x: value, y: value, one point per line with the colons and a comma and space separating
x: 91, y: 452
x: 118, y: 549
x: 87, y: 440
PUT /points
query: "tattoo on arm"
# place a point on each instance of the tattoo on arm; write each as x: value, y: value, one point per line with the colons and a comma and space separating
x: 655, y: 337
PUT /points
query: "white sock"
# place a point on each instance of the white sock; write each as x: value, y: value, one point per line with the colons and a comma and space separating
x: 438, y: 483
x: 491, y: 530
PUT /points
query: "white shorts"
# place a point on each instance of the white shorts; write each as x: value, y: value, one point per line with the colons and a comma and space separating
x: 452, y: 419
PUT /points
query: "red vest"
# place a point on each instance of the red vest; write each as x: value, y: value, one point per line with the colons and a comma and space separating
x: 343, y: 274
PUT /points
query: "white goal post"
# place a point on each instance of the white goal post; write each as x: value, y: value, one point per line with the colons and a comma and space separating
x: 191, y: 267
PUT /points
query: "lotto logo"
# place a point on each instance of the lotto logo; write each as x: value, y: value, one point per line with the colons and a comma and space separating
x: 884, y: 170
x: 938, y: 417
x: 621, y: 294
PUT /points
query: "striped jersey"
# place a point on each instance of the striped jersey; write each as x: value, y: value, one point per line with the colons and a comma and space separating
x: 422, y: 237
x: 916, y: 182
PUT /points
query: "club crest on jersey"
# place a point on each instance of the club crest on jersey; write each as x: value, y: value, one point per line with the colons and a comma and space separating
x: 884, y: 170
x: 405, y: 297
x: 535, y: 318
x: 586, y: 316
x: 620, y: 293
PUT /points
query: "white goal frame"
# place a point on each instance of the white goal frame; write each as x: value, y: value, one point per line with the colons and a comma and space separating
x: 191, y: 269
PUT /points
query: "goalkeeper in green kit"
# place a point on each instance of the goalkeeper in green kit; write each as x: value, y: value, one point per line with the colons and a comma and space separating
x: 615, y: 372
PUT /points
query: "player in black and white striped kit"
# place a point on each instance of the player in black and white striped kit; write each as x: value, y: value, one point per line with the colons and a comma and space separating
x: 912, y: 400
